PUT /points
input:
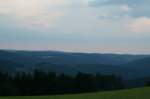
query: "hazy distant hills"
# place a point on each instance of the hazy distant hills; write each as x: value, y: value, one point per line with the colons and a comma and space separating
x: 128, y: 66
x: 32, y: 57
x: 142, y: 66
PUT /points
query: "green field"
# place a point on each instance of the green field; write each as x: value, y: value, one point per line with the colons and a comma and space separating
x: 138, y: 93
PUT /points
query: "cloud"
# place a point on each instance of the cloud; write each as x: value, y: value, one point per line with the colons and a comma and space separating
x: 141, y: 11
x: 75, y: 23
x: 42, y: 13
x: 114, y: 12
x: 125, y: 8
x: 138, y: 8
x: 141, y: 25
x: 37, y: 13
x: 118, y: 2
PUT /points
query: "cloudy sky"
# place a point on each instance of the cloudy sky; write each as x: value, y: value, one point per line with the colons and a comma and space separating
x: 104, y: 26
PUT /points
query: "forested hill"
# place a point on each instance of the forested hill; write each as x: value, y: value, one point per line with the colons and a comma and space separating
x: 128, y: 66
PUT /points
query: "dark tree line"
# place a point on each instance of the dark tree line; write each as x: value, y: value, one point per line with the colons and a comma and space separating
x: 147, y: 83
x: 42, y: 83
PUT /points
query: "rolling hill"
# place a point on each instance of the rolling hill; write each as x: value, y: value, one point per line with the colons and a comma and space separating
x: 34, y: 57
x: 11, y: 67
x: 141, y: 66
x: 128, y: 66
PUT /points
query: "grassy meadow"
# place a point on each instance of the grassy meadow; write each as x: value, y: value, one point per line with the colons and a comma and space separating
x: 137, y: 93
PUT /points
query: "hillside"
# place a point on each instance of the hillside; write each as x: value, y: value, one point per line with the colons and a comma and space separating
x: 138, y: 93
x: 34, y: 57
x: 10, y: 66
x: 141, y: 66
x: 128, y: 66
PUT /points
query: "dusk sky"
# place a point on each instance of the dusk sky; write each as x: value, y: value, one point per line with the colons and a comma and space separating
x: 103, y: 26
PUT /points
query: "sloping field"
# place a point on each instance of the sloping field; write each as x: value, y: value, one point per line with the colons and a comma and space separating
x: 138, y: 93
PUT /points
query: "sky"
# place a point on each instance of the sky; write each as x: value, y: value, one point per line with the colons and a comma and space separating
x: 101, y: 26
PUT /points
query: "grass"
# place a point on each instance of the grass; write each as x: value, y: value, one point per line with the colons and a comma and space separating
x: 137, y: 93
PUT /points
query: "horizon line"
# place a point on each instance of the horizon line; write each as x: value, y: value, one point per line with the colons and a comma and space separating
x: 80, y: 52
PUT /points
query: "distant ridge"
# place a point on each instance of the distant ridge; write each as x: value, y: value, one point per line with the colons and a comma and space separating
x: 128, y: 66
